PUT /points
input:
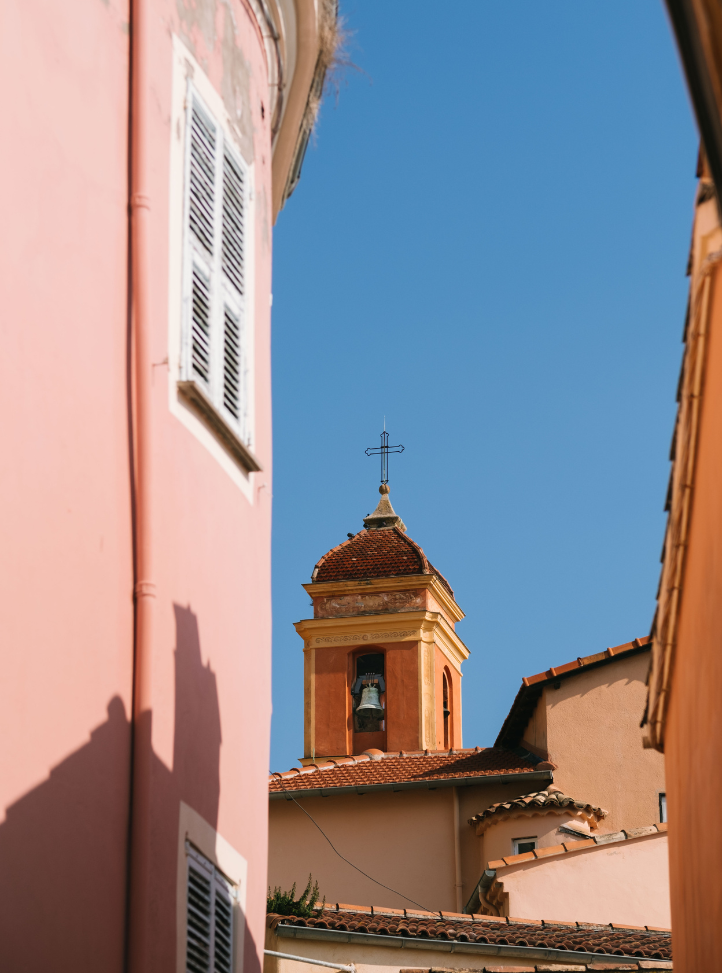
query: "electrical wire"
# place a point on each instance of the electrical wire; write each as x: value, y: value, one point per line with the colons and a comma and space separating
x: 375, y: 881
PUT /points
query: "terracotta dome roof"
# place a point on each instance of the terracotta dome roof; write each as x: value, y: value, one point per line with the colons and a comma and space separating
x: 551, y: 799
x: 376, y: 553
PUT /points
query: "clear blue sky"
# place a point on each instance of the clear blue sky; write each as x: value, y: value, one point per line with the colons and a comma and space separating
x: 488, y: 246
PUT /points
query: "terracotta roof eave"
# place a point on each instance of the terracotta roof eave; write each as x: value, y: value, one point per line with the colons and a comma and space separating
x: 513, y: 727
x: 408, y: 785
x: 448, y: 946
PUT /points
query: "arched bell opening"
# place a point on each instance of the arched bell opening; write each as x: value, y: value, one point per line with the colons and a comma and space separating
x: 368, y: 700
x: 447, y: 705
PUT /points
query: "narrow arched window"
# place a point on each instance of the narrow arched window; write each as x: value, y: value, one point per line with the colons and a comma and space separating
x: 447, y: 713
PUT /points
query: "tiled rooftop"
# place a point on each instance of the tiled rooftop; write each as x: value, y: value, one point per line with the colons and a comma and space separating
x: 643, y: 942
x: 531, y: 686
x: 550, y: 799
x: 650, y: 966
x: 378, y: 553
x: 375, y: 767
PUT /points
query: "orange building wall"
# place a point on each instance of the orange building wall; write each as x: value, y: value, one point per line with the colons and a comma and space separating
x: 330, y: 673
x: 333, y: 675
x: 402, y: 695
x: 330, y: 700
x: 694, y: 722
x: 442, y: 665
x: 590, y: 729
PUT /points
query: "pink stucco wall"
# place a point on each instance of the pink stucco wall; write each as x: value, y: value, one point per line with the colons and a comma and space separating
x: 67, y: 539
x: 625, y: 882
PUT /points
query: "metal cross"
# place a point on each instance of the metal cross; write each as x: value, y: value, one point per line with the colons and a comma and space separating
x: 384, y: 449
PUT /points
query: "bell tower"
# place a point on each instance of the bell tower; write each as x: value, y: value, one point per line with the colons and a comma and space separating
x: 382, y: 659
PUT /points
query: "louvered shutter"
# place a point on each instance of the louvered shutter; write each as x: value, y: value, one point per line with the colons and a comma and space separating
x: 216, y: 334
x: 232, y: 363
x: 201, y: 326
x: 222, y: 927
x: 233, y: 214
x: 202, y: 177
x: 232, y: 265
x: 209, y: 930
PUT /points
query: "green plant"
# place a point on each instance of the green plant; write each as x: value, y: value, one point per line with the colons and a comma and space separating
x: 285, y: 903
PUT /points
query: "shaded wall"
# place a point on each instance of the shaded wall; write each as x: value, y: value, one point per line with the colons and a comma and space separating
x: 693, y: 736
x: 404, y: 839
x: 67, y: 838
x: 590, y: 729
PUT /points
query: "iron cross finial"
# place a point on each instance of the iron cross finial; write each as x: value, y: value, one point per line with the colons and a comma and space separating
x: 383, y: 450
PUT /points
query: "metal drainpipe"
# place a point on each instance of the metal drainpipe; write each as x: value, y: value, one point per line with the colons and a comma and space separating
x: 138, y: 947
x: 351, y: 968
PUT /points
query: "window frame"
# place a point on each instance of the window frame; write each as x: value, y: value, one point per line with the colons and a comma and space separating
x: 208, y: 398
x: 663, y: 807
x: 515, y: 842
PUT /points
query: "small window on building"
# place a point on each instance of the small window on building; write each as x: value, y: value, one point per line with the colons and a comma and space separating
x: 447, y: 713
x: 662, y: 808
x: 523, y: 845
x: 216, y: 353
x: 368, y: 687
x: 209, y: 918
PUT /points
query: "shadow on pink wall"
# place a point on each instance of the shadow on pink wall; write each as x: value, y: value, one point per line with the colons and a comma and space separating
x: 64, y: 845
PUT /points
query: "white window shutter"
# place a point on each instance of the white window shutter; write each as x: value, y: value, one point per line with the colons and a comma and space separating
x: 199, y: 920
x: 209, y: 935
x: 233, y: 215
x: 216, y: 328
x: 222, y: 927
x: 232, y: 364
x: 201, y: 327
x: 202, y: 177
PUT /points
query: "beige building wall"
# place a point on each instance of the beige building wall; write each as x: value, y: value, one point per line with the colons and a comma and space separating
x: 497, y: 841
x: 589, y: 727
x: 386, y: 959
x: 405, y: 839
x: 626, y: 882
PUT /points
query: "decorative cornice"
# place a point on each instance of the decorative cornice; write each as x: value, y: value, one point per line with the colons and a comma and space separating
x: 400, y: 583
x: 418, y: 626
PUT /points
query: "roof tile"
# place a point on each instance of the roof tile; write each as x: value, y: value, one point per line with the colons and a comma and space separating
x: 394, y: 768
x: 575, y: 845
x: 377, y: 553
x: 526, y: 856
x: 551, y: 798
x: 612, y: 940
x: 639, y: 832
x: 551, y: 850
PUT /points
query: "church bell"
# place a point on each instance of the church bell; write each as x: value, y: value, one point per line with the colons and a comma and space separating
x: 370, y: 700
